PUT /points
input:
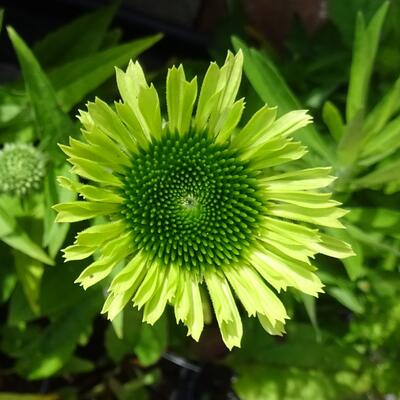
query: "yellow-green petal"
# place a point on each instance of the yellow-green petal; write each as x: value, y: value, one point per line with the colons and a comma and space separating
x: 181, y: 96
x: 80, y: 210
x: 257, y: 126
x: 89, y: 192
x: 225, y: 308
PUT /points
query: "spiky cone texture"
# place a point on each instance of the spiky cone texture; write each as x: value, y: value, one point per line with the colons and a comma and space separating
x: 195, y: 202
x: 22, y: 169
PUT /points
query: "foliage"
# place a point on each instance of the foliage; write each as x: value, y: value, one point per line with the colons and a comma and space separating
x: 343, y: 345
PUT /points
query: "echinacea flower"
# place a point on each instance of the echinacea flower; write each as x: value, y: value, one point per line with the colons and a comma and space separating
x: 195, y: 201
x: 22, y: 169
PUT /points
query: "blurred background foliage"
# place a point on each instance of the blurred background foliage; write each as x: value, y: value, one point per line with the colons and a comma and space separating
x: 338, y: 58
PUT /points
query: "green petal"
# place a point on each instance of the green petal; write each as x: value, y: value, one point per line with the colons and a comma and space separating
x: 96, y: 271
x: 105, y: 155
x: 256, y: 127
x: 119, y: 247
x: 188, y: 304
x: 294, y: 232
x: 126, y: 114
x: 274, y: 278
x: 181, y: 96
x: 287, y: 246
x: 181, y: 305
x: 112, y: 253
x: 103, y: 144
x: 306, y: 179
x: 115, y: 302
x: 285, y: 125
x: 225, y: 309
x: 82, y: 150
x: 124, y: 285
x: 108, y: 122
x: 78, y: 252
x: 149, y: 106
x: 277, y: 328
x: 319, y: 216
x: 85, y: 119
x: 286, y: 272
x: 92, y: 170
x: 149, y: 285
x: 302, y: 199
x: 229, y: 79
x: 156, y: 305
x: 131, y: 275
x: 254, y: 294
x: 98, y: 234
x: 195, y: 319
x: 218, y: 93
x: 333, y: 247
x: 208, y: 97
x: 268, y: 155
x: 130, y: 84
x: 81, y: 210
x: 229, y: 121
x: 90, y: 192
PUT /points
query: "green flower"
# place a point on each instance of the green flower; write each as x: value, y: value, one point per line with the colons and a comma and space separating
x: 22, y: 169
x: 196, y: 202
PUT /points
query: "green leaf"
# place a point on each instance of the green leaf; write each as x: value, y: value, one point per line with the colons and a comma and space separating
x: 333, y: 120
x: 354, y: 265
x: 76, y: 365
x: 273, y: 90
x: 325, y: 354
x: 79, y: 38
x: 13, y: 235
x: 389, y: 172
x: 19, y: 310
x: 373, y: 240
x: 1, y: 18
x: 375, y: 219
x: 383, y: 111
x: 73, y: 81
x: 364, y: 51
x: 272, y: 383
x: 121, y: 339
x: 309, y: 304
x: 346, y: 297
x: 54, y: 347
x: 18, y: 396
x: 152, y: 342
x: 135, y: 389
x: 8, y: 278
x: 116, y: 348
x: 29, y: 272
x: 52, y: 125
x: 350, y: 142
x: 58, y: 291
x: 382, y: 144
x: 343, y: 14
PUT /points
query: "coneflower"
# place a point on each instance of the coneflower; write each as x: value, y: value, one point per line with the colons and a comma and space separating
x: 196, y: 202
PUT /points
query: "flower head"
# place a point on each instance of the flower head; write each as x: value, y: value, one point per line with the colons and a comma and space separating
x: 195, y: 202
x: 22, y: 169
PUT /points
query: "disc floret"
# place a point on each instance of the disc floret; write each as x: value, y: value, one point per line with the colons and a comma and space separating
x: 190, y: 201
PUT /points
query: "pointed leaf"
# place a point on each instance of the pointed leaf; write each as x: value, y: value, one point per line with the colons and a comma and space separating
x: 73, y: 81
x: 364, y: 51
x: 52, y: 125
x: 79, y: 38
